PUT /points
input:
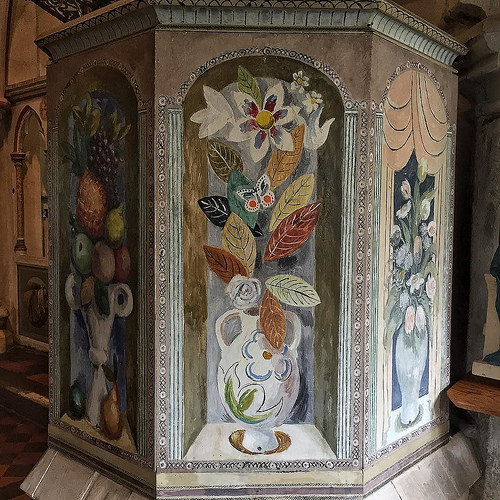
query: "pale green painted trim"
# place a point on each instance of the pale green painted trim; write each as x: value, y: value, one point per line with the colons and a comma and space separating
x: 374, y: 336
x: 175, y: 282
x: 347, y: 276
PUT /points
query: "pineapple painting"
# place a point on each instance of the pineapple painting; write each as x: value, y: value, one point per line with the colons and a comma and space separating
x: 97, y: 288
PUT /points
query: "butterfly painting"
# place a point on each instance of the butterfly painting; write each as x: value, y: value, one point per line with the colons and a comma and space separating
x: 259, y: 197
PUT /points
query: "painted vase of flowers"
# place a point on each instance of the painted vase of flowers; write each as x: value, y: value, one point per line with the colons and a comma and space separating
x: 409, y: 306
x: 256, y: 131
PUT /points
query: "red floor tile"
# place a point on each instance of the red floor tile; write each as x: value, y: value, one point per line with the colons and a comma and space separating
x: 41, y: 378
x: 27, y: 458
x: 5, y: 481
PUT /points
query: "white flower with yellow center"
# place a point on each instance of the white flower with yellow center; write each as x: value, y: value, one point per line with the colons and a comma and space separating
x: 312, y: 101
x: 300, y: 81
x: 415, y: 282
x: 403, y: 212
x: 266, y: 124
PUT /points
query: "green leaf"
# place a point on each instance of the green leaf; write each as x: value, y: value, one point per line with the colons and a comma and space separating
x: 237, y: 407
x: 391, y: 300
x: 78, y: 115
x: 223, y: 159
x: 431, y: 269
x: 88, y: 106
x: 395, y: 320
x: 101, y: 297
x: 428, y: 195
x: 125, y: 129
x: 116, y: 132
x: 238, y: 181
x: 406, y: 231
x: 246, y: 399
x: 248, y: 85
x: 293, y: 290
x: 95, y: 118
x: 432, y: 250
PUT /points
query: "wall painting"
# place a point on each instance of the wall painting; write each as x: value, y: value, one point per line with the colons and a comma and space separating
x: 265, y: 215
x: 413, y: 205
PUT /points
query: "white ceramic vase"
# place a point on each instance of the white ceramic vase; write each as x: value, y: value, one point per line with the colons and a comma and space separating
x: 411, y: 356
x: 258, y: 383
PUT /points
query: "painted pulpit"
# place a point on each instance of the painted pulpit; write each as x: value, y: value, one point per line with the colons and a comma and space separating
x: 251, y: 233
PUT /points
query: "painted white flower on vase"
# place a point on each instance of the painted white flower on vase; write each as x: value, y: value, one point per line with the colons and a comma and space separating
x: 431, y: 229
x: 425, y: 209
x: 430, y: 287
x: 403, y: 212
x: 244, y: 292
x: 420, y: 320
x: 316, y: 135
x: 409, y: 319
x: 415, y: 282
x: 312, y: 101
x: 215, y: 116
x: 406, y: 189
x: 264, y: 361
x: 300, y: 81
x: 264, y: 125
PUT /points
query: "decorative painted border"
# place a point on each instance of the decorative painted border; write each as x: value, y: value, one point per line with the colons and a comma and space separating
x: 371, y: 405
x: 351, y: 391
x: 379, y: 16
x: 161, y: 245
x: 175, y: 163
x: 145, y: 346
x: 370, y: 452
x: 346, y: 267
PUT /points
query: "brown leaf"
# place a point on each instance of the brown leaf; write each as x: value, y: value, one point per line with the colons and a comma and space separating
x: 283, y: 163
x: 223, y: 264
x: 239, y: 240
x: 292, y: 232
x: 223, y: 159
x: 272, y: 320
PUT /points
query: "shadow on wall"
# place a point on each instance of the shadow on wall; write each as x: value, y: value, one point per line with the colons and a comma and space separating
x: 5, y: 124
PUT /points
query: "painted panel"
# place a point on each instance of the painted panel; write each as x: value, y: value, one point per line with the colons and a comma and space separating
x: 412, y: 299
x: 262, y: 245
x: 99, y: 259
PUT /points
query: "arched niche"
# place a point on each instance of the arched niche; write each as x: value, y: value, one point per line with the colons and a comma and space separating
x: 97, y: 240
x: 29, y: 159
x: 413, y: 319
x: 211, y: 109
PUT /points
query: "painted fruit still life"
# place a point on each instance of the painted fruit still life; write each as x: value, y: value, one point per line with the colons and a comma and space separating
x: 261, y: 221
x: 96, y: 288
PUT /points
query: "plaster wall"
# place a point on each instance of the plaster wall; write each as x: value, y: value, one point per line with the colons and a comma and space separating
x: 25, y: 60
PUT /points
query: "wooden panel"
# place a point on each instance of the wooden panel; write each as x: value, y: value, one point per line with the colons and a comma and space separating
x: 477, y: 394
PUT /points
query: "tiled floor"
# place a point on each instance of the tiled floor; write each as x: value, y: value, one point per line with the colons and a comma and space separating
x: 25, y: 368
x: 22, y: 443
